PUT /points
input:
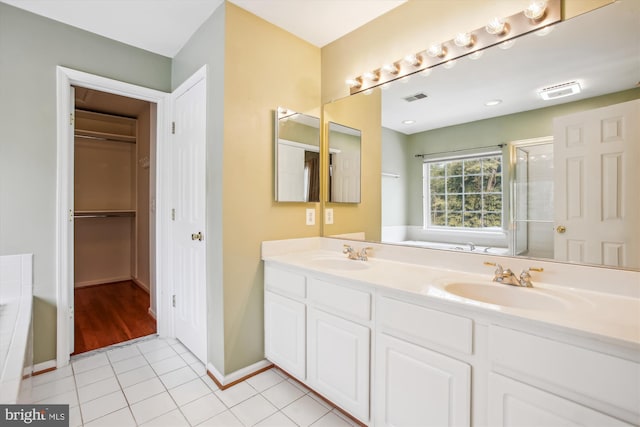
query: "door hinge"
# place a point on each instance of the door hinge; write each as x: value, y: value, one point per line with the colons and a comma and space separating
x: 71, y: 118
x: 173, y: 127
x: 173, y: 301
x: 173, y: 214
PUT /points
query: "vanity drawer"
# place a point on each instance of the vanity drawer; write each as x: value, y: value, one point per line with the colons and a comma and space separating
x: 285, y: 282
x: 596, y: 379
x: 341, y: 299
x: 425, y: 326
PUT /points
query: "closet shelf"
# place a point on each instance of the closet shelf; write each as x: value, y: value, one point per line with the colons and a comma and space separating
x: 103, y: 136
x: 104, y: 214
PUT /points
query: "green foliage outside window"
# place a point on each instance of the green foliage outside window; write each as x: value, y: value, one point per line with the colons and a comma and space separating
x: 466, y: 193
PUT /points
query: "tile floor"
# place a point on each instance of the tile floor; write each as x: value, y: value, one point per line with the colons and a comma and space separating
x: 158, y: 382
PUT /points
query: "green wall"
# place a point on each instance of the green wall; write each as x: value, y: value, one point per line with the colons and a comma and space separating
x: 482, y: 133
x: 394, y: 190
x: 30, y: 49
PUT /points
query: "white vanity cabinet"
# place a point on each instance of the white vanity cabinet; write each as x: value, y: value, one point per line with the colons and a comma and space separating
x: 339, y: 345
x: 285, y: 321
x: 414, y: 384
x: 539, y: 381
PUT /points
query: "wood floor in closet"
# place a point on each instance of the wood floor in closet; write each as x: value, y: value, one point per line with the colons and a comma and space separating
x: 111, y: 313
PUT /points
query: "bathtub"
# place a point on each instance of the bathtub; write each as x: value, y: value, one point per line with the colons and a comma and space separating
x: 16, y: 298
x: 456, y: 247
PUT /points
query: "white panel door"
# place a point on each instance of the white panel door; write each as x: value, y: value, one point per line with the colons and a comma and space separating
x: 418, y: 387
x: 188, y: 224
x: 285, y: 334
x: 515, y: 404
x: 338, y: 361
x: 596, y: 158
x: 346, y: 177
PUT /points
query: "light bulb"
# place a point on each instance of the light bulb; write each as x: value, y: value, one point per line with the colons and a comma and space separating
x: 544, y: 31
x: 426, y: 72
x: 496, y: 26
x: 476, y: 55
x: 354, y: 83
x: 463, y: 40
x: 373, y: 76
x: 391, y: 68
x: 449, y: 64
x: 437, y: 50
x: 507, y: 44
x: 413, y: 60
x: 536, y: 9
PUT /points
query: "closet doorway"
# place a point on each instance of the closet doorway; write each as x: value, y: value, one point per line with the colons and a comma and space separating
x: 113, y: 242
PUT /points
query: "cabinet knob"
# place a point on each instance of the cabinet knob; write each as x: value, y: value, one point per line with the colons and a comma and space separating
x: 197, y: 236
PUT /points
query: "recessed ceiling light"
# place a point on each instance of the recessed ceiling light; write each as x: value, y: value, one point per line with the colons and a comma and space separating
x: 408, y: 122
x: 493, y: 102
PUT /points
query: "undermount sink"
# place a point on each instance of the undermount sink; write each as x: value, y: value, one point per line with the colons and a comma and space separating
x: 338, y: 263
x: 508, y: 296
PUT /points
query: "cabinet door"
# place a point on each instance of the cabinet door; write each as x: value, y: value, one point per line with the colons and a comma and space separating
x: 419, y: 387
x: 338, y: 359
x: 512, y: 403
x: 285, y: 333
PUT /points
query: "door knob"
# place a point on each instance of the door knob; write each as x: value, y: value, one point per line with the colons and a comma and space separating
x: 561, y: 229
x: 197, y: 236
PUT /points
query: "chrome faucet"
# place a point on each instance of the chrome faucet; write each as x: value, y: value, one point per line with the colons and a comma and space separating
x: 355, y: 255
x: 507, y: 276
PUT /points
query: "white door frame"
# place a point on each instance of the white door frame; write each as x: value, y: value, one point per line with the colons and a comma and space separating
x: 64, y: 198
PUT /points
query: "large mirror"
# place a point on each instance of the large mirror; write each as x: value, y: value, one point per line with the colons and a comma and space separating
x: 344, y: 164
x: 297, y: 157
x: 474, y: 159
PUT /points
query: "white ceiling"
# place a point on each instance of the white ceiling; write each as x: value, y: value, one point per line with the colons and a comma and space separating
x: 164, y: 26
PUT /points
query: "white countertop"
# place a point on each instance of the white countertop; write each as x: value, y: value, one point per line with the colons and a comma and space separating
x: 597, y: 315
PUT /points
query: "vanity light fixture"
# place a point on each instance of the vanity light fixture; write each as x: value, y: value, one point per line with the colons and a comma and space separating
x: 437, y: 50
x: 497, y: 26
x: 498, y: 31
x: 536, y: 10
x: 464, y: 40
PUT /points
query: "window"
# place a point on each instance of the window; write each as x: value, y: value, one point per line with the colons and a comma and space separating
x: 464, y: 193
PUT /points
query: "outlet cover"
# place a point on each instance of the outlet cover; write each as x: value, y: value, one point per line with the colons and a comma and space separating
x: 311, y: 216
x: 328, y: 216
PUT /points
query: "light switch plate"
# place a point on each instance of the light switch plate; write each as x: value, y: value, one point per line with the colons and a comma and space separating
x: 328, y: 216
x: 311, y: 216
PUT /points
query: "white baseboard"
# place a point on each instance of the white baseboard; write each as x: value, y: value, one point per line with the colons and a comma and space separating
x: 102, y: 281
x: 239, y: 374
x: 39, y: 367
x: 143, y: 285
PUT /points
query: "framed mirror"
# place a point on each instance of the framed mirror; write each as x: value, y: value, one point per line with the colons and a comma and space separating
x: 453, y: 124
x: 345, y: 144
x: 297, y: 157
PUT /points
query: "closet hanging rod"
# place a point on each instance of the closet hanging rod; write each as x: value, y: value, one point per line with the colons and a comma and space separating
x: 100, y: 138
x: 460, y: 151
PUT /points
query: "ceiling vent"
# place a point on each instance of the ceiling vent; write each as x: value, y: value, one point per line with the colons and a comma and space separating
x: 415, y: 97
x: 559, y: 91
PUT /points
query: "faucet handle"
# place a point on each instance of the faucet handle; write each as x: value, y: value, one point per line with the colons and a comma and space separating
x: 347, y: 249
x: 525, y: 276
x: 499, y: 269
